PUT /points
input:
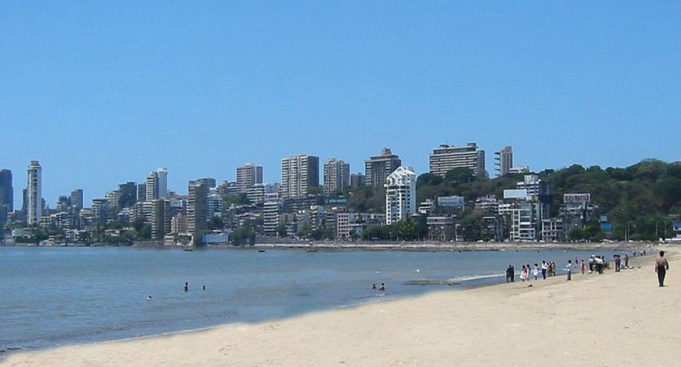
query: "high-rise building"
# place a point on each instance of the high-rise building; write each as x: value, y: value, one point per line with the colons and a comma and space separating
x: 160, y: 219
x: 336, y: 175
x: 151, y: 187
x: 141, y: 192
x: 127, y: 195
x: 357, y: 179
x: 76, y: 199
x: 34, y: 194
x: 447, y: 157
x: 197, y: 211
x: 298, y: 175
x: 162, y: 174
x: 504, y: 161
x: 247, y: 176
x: 377, y: 168
x: 400, y: 195
x: 100, y: 210
x: 270, y: 214
x: 6, y: 190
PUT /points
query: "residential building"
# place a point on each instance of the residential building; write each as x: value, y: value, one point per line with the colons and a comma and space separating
x: 552, y: 230
x: 522, y: 218
x: 538, y: 191
x: 76, y: 199
x: 100, y: 210
x: 34, y: 200
x: 447, y: 157
x: 358, y: 179
x: 270, y: 217
x: 6, y: 190
x: 441, y: 228
x: 162, y: 182
x: 247, y: 176
x: 336, y: 175
x: 152, y: 187
x: 160, y: 219
x: 298, y: 175
x: 127, y: 195
x: 377, y: 168
x: 256, y: 193
x: 400, y: 194
x: 197, y: 211
x: 141, y: 192
x: 504, y: 161
x: 6, y: 195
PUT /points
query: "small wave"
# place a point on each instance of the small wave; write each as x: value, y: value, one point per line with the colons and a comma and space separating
x: 466, y: 278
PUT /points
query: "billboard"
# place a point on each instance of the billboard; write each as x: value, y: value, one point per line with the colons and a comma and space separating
x: 515, y: 194
x: 577, y: 198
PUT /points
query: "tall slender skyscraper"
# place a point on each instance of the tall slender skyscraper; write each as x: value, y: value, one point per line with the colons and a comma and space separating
x: 34, y: 193
x: 504, y: 161
x: 162, y: 174
x: 197, y: 211
x: 6, y: 190
x: 6, y: 195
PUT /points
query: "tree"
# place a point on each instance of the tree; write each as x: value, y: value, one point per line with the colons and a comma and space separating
x: 215, y: 223
x: 460, y: 175
x: 281, y: 230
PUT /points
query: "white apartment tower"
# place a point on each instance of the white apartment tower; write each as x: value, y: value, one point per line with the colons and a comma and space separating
x: 298, y: 174
x: 447, y: 157
x: 504, y: 161
x: 400, y: 195
x: 336, y: 175
x: 248, y: 176
x: 34, y: 193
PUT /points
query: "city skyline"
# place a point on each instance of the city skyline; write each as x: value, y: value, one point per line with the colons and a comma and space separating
x: 198, y: 88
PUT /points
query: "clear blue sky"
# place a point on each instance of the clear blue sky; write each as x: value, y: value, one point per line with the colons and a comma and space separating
x: 103, y: 92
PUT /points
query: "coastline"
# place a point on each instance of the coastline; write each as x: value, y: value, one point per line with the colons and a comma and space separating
x: 389, y: 327
x: 394, y: 246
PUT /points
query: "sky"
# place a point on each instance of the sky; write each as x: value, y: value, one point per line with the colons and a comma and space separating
x: 103, y: 92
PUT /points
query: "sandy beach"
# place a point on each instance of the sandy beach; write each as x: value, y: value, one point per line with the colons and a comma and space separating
x: 614, y: 319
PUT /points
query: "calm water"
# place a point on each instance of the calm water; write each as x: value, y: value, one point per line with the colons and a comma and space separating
x: 55, y: 296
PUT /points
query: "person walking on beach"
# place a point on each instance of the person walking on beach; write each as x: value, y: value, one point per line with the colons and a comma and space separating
x: 591, y: 264
x: 523, y: 274
x: 544, y: 269
x: 535, y: 272
x: 583, y: 267
x: 661, y: 267
x: 626, y: 261
x: 569, y: 270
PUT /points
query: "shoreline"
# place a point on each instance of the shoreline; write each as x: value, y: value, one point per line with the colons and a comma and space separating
x: 512, y: 289
x: 391, y: 246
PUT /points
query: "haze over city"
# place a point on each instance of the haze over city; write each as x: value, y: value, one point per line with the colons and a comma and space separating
x: 102, y: 93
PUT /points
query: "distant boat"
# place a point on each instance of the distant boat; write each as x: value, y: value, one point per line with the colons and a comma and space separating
x: 261, y: 250
x: 188, y: 249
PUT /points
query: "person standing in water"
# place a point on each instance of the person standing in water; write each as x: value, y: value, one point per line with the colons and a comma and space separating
x: 661, y: 267
x: 186, y: 286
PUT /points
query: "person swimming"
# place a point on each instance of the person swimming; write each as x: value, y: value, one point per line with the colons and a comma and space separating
x: 373, y: 286
x: 382, y: 288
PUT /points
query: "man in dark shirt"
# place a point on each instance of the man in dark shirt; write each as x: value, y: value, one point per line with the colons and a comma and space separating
x: 661, y: 267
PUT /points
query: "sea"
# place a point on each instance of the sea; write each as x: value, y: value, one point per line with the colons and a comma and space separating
x: 69, y: 295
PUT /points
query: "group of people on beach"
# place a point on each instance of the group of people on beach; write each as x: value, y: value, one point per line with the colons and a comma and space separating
x: 548, y: 268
